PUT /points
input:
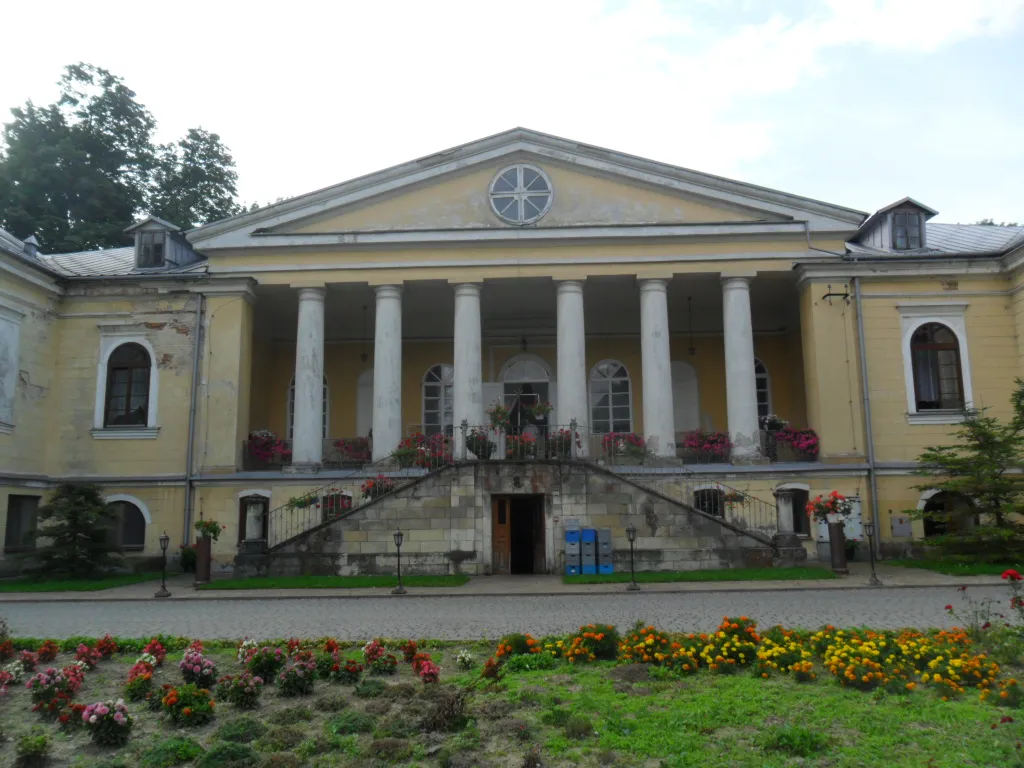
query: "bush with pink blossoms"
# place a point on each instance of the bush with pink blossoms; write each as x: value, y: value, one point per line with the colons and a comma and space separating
x: 241, y: 690
x: 89, y: 656
x: 196, y: 668
x: 429, y: 671
x: 108, y: 722
x: 45, y: 685
x: 297, y: 678
x: 707, y: 447
x: 29, y: 661
x: 266, y: 662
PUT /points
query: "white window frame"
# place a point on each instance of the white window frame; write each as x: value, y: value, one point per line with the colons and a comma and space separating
x: 141, y: 506
x: 953, y: 316
x: 767, y: 386
x: 112, y: 337
x: 590, y: 396
x: 289, y: 409
x: 13, y: 317
x: 520, y: 194
x: 443, y: 383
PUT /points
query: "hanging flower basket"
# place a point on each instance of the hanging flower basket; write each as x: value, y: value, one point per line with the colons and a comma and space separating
x: 500, y: 416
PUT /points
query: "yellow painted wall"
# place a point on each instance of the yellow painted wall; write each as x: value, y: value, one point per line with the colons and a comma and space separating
x: 831, y: 373
x: 1017, y: 307
x: 460, y: 200
x: 224, y: 402
x: 992, y: 349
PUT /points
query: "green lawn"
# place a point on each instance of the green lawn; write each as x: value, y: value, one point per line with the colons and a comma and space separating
x: 721, y: 574
x: 75, y: 585
x: 334, y: 582
x: 958, y: 569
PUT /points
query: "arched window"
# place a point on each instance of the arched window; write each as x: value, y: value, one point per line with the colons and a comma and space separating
x: 127, y: 396
x: 938, y: 379
x: 525, y: 382
x: 611, y: 401
x: 291, y: 409
x: 948, y: 513
x: 129, y: 526
x: 764, y: 389
x: 438, y: 399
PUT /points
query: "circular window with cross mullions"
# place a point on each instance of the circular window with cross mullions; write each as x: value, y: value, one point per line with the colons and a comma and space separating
x: 521, y: 194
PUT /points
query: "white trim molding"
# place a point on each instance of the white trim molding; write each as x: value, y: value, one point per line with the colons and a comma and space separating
x: 253, y: 492
x: 134, y: 500
x: 112, y: 337
x: 952, y: 314
x: 10, y: 364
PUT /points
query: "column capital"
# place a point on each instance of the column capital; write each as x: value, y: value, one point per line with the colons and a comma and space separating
x: 783, y: 493
x: 569, y: 286
x: 736, y: 282
x: 467, y: 289
x: 653, y: 284
x: 312, y: 294
x: 388, y: 291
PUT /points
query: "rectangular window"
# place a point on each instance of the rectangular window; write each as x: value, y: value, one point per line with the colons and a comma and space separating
x: 21, y: 522
x: 906, y: 231
x: 151, y: 249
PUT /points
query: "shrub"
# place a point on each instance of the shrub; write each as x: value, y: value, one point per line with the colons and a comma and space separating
x: 325, y: 663
x: 796, y: 740
x: 43, y: 686
x: 280, y: 738
x: 188, y: 557
x: 33, y: 750
x: 297, y: 679
x: 333, y: 703
x: 188, y: 705
x: 140, y: 682
x: 645, y: 645
x: 48, y: 651
x: 465, y: 660
x: 429, y: 672
x: 350, y: 722
x: 107, y: 646
x: 242, y: 730
x: 409, y: 650
x: 448, y: 712
x: 370, y: 689
x: 530, y: 663
x: 196, y: 668
x: 577, y: 727
x: 225, y: 754
x: 389, y: 749
x: 29, y: 661
x: 108, y: 723
x: 75, y: 525
x: 170, y: 752
x: 243, y: 690
x: 291, y: 715
x: 491, y: 670
x: 384, y: 665
x: 89, y: 656
x: 266, y: 662
x: 515, y: 644
x: 348, y: 671
x: 734, y: 645
x: 592, y: 642
x: 157, y: 650
x: 245, y: 650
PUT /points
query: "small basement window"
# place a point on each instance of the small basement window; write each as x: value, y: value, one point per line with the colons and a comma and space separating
x: 150, y: 249
x: 906, y: 231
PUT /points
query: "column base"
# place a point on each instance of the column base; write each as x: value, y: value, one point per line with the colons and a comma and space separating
x: 302, y: 469
x: 747, y: 456
x: 789, y: 552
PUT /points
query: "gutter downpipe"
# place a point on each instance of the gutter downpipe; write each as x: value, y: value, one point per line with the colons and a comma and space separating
x: 868, y: 435
x: 193, y: 402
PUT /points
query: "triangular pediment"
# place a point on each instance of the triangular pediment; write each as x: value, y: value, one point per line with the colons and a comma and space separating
x: 591, y: 188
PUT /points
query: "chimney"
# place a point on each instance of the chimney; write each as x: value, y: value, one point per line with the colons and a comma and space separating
x: 31, y: 246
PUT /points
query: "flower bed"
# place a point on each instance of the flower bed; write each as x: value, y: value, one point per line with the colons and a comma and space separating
x: 700, y: 447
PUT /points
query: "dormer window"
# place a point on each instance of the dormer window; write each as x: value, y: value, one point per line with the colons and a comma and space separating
x: 150, y: 249
x: 906, y: 231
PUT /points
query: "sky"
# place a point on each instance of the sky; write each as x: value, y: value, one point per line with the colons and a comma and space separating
x: 855, y: 102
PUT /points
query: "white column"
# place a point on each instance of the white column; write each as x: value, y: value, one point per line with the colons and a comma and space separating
x: 572, y: 359
x: 308, y: 414
x: 387, y: 371
x: 468, y: 389
x: 659, y: 416
x: 784, y: 509
x: 740, y: 382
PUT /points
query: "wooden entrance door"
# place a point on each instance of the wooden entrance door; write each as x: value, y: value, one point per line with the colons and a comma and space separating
x: 501, y: 535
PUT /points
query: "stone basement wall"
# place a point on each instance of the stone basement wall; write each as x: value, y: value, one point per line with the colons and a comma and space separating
x: 447, y: 524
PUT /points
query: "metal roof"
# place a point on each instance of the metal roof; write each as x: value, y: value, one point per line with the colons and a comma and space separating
x: 11, y: 244
x: 955, y: 240
x: 105, y: 261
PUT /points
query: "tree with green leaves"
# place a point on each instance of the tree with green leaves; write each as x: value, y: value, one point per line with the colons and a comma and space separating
x: 76, y: 173
x: 983, y: 468
x: 77, y: 527
x: 992, y: 223
x: 195, y: 181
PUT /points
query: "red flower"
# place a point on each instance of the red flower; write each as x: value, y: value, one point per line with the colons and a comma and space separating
x: 1011, y: 575
x: 949, y: 607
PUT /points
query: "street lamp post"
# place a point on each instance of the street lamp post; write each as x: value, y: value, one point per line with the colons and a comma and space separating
x: 631, y: 535
x: 165, y: 540
x: 869, y: 529
x: 399, y: 590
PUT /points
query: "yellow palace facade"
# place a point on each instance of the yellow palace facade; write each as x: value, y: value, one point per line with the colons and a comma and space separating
x: 710, y: 348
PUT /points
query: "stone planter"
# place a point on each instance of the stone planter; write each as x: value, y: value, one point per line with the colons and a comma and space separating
x: 204, y: 559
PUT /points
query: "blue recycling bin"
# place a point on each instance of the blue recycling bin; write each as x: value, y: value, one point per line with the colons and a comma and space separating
x: 572, y: 570
x: 572, y: 535
x: 590, y: 570
x: 606, y: 569
x: 589, y: 534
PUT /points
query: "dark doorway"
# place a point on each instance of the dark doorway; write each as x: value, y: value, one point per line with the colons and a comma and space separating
x: 523, y: 537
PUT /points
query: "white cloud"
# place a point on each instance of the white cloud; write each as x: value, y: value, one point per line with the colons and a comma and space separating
x: 308, y: 94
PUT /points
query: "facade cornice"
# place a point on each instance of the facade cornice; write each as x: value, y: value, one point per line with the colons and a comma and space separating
x: 39, y: 276
x: 846, y: 268
x: 228, y: 285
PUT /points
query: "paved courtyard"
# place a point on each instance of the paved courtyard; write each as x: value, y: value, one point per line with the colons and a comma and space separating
x: 486, y: 617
